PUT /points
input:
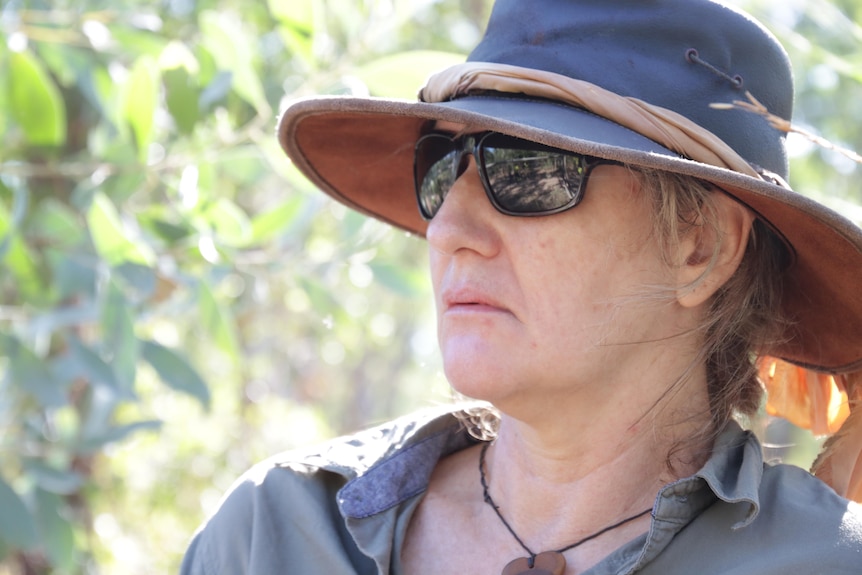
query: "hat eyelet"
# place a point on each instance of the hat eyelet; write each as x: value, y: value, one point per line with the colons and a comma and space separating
x: 692, y: 56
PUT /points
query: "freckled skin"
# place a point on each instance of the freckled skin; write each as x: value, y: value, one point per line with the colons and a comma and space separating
x: 565, y: 285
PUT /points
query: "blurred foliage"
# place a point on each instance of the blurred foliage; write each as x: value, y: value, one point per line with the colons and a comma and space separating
x: 177, y: 302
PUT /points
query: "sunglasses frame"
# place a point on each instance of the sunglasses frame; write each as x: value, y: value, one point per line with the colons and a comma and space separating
x: 473, y: 144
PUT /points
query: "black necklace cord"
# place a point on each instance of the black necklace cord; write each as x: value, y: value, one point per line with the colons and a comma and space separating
x: 532, y: 556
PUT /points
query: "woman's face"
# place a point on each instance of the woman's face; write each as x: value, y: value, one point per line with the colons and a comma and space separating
x: 554, y: 303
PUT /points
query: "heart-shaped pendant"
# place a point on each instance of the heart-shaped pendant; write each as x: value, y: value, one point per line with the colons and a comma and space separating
x: 546, y: 563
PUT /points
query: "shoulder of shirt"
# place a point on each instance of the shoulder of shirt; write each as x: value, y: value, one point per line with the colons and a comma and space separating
x: 298, y: 490
x: 791, y: 496
x: 389, y: 461
x: 350, y: 456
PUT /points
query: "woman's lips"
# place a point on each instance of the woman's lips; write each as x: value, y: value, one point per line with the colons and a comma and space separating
x: 470, y: 300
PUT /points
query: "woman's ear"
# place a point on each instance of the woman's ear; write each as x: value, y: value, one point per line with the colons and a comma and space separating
x: 709, y: 255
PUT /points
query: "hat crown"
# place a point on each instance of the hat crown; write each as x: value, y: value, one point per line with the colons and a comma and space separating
x: 682, y: 55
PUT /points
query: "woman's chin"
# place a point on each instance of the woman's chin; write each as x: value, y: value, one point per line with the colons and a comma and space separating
x: 481, y: 380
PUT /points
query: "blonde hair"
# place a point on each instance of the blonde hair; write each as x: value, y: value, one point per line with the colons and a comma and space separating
x: 744, y: 314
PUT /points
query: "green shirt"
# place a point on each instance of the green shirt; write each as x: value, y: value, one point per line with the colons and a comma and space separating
x: 344, y: 507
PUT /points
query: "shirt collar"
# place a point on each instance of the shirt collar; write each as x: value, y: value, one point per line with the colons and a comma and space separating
x: 388, y: 465
x: 387, y: 468
x: 732, y: 474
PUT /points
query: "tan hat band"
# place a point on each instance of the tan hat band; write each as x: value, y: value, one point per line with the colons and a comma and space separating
x: 671, y: 130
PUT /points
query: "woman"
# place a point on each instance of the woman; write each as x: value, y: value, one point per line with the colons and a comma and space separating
x: 608, y: 249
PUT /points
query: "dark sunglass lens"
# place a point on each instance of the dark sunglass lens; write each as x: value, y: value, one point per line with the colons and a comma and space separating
x: 530, y: 181
x: 435, y: 171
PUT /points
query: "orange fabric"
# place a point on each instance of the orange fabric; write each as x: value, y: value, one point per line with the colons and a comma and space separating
x: 815, y: 401
x: 827, y: 405
x: 672, y: 130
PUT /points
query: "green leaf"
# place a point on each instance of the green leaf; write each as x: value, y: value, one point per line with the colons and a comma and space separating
x: 12, y: 247
x: 122, y: 186
x: 56, y: 224
x: 296, y: 27
x: 158, y: 224
x: 119, y: 336
x: 232, y: 48
x: 277, y: 220
x: 135, y: 41
x: 352, y: 224
x: 32, y: 374
x: 298, y: 14
x: 96, y: 413
x: 401, y: 75
x: 175, y: 371
x: 48, y: 478
x: 182, y: 94
x: 138, y: 282
x: 320, y: 296
x: 115, y: 434
x: 9, y: 239
x: 399, y: 279
x: 217, y: 90
x: 217, y: 320
x: 17, y: 258
x: 242, y: 164
x: 21, y: 263
x: 36, y: 103
x: 110, y: 237
x: 89, y: 365
x: 64, y: 62
x: 5, y: 80
x: 140, y: 100
x: 20, y: 205
x: 229, y: 222
x: 178, y: 55
x: 16, y: 523
x: 100, y: 88
x: 57, y: 534
x: 74, y: 274
x: 59, y: 317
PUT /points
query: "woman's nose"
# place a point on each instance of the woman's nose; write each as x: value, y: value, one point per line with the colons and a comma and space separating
x: 466, y: 218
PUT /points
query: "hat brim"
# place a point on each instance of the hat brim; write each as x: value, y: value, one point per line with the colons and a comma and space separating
x: 360, y: 151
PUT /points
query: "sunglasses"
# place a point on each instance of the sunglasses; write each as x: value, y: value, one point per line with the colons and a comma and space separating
x: 521, y: 178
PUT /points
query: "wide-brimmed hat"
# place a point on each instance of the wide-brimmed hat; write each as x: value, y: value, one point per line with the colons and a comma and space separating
x: 648, y: 83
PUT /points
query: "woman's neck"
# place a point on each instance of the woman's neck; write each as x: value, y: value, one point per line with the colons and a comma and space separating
x: 607, y: 462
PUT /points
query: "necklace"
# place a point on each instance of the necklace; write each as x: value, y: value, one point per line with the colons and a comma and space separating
x: 546, y: 562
